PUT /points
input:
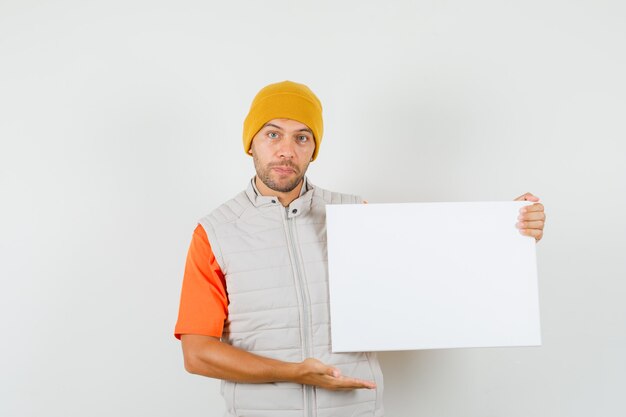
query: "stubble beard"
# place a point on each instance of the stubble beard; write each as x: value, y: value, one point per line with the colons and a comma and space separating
x: 264, y: 173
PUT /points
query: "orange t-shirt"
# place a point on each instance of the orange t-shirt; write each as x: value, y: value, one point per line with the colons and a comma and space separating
x: 203, y: 299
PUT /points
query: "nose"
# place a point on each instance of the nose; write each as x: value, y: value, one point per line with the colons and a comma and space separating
x: 286, y: 149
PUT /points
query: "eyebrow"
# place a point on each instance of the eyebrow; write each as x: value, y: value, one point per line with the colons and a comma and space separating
x: 306, y: 129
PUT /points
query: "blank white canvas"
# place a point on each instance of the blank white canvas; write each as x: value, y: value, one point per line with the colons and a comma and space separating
x: 429, y: 276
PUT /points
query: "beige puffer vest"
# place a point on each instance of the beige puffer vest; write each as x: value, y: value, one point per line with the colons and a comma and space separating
x: 275, y: 262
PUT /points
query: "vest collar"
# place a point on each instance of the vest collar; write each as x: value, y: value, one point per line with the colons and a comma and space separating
x: 299, y: 206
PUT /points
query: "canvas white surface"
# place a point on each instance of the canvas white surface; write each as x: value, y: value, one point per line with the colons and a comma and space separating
x: 430, y: 275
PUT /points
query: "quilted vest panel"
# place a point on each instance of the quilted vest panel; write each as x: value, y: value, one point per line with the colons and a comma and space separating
x: 275, y: 262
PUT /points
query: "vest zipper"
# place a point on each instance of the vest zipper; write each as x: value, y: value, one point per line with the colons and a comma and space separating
x: 305, y: 319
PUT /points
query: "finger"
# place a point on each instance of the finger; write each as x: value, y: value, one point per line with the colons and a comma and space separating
x: 531, y: 208
x: 530, y: 225
x: 354, y: 383
x: 527, y: 197
x: 537, y: 234
x: 538, y: 215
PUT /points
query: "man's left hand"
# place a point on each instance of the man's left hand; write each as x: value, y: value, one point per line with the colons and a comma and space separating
x: 531, y: 218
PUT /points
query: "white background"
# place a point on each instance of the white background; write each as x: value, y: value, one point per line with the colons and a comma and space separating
x: 120, y: 126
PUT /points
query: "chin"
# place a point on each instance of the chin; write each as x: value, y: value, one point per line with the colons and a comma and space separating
x: 285, y: 186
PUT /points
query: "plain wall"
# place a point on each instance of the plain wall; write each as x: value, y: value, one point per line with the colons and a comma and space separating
x: 120, y: 126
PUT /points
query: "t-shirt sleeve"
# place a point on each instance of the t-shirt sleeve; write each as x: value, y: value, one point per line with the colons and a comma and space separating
x: 203, y: 300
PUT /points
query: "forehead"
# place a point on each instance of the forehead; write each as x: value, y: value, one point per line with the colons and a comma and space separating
x: 287, y: 124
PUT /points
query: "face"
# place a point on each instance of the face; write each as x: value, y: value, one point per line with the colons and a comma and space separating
x: 282, y: 151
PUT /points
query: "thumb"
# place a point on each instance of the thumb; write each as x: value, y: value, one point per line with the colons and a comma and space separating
x: 334, y: 372
x: 527, y: 197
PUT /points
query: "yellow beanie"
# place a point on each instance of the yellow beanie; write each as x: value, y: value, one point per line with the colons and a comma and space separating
x: 284, y: 100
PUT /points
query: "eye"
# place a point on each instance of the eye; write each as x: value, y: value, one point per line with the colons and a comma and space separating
x: 272, y: 135
x: 303, y: 138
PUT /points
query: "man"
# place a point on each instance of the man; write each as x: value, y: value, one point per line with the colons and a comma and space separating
x: 254, y: 304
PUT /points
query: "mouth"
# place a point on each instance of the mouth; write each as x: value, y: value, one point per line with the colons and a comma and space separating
x: 283, y: 170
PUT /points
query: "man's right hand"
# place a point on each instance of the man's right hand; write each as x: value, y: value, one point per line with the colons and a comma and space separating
x: 313, y: 372
x: 208, y: 356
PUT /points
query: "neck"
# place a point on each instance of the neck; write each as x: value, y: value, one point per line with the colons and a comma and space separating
x: 284, y: 198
